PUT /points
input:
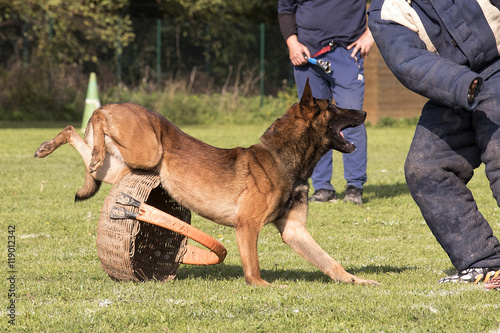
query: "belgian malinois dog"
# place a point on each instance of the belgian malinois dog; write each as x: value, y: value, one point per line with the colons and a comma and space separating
x: 246, y: 188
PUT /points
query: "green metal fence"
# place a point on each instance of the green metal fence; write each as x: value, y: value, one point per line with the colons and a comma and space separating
x: 218, y: 54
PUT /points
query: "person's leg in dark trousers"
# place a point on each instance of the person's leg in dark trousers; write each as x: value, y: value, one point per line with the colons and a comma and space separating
x: 346, y: 86
x: 348, y: 89
x: 448, y: 145
x: 320, y: 87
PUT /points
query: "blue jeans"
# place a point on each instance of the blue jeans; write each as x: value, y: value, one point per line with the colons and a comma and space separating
x: 447, y: 146
x: 346, y: 85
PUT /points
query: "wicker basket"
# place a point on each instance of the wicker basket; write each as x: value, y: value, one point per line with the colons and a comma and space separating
x: 131, y: 250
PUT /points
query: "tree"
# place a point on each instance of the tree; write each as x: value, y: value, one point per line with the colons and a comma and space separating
x: 71, y: 31
x: 210, y: 11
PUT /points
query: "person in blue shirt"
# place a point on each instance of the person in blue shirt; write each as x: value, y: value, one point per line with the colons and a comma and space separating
x: 449, y: 52
x: 334, y: 31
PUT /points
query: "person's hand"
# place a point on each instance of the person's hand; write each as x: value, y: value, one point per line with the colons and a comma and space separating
x: 472, y: 90
x: 362, y: 44
x: 297, y: 51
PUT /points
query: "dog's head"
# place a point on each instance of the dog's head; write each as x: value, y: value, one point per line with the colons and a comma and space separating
x: 328, y: 120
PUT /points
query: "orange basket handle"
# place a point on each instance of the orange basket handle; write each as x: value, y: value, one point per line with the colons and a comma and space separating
x: 194, y: 255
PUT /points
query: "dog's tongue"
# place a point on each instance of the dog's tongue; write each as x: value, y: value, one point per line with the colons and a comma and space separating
x: 342, y: 134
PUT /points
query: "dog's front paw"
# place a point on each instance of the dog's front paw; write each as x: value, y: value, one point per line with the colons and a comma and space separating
x: 364, y: 282
x: 283, y: 286
x: 257, y: 282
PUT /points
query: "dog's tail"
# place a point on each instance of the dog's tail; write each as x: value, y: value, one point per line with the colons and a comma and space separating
x: 89, y: 189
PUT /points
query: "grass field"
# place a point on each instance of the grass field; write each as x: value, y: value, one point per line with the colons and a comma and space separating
x: 59, y: 285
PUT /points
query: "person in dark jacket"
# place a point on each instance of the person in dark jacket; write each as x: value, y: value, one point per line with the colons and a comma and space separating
x: 338, y: 31
x: 448, y: 51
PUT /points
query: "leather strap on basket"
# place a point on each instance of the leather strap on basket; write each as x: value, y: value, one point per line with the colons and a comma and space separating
x: 194, y: 255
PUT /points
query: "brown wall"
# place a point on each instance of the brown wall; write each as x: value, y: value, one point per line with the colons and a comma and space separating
x: 385, y: 97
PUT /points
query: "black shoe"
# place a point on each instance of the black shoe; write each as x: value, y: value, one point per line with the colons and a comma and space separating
x: 474, y: 275
x: 353, y: 194
x: 323, y: 195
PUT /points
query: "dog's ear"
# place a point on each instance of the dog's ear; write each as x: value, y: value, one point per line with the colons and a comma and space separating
x: 308, y: 105
x: 307, y: 99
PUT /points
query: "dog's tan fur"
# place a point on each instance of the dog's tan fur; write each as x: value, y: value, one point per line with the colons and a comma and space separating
x: 246, y: 188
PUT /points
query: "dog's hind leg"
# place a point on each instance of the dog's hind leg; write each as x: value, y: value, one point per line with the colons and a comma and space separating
x: 69, y: 136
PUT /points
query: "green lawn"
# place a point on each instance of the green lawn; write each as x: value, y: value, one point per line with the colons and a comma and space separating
x: 59, y: 284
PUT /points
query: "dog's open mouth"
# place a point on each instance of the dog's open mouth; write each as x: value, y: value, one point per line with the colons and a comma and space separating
x: 339, y: 141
